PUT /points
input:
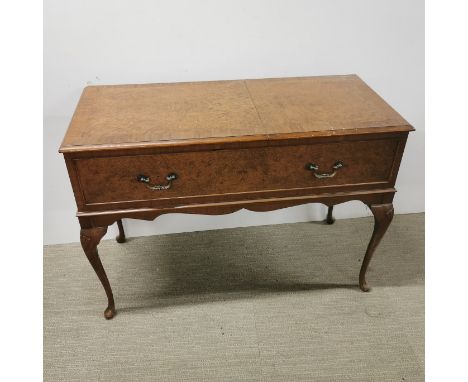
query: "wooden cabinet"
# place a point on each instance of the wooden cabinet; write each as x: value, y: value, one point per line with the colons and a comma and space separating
x: 138, y: 151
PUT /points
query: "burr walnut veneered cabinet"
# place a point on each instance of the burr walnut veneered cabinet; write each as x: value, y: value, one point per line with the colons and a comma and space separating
x: 139, y: 151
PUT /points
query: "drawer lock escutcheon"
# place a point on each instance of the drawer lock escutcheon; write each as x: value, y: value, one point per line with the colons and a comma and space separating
x: 158, y: 187
x: 314, y: 168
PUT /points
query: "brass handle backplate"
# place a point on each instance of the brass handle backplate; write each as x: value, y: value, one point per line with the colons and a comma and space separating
x: 314, y: 168
x: 157, y: 187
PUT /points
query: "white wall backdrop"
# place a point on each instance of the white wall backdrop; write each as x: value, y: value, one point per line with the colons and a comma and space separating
x: 144, y: 41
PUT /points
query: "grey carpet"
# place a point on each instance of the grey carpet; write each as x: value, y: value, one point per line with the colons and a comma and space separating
x: 271, y: 303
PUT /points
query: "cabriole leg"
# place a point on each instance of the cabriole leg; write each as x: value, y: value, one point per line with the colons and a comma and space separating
x: 90, y: 238
x: 383, y: 215
x: 121, y: 236
x: 330, y: 219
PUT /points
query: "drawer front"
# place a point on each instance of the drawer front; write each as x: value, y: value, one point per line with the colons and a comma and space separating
x: 237, y: 171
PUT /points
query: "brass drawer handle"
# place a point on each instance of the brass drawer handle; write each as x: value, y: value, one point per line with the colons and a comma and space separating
x: 145, y: 179
x: 314, y: 168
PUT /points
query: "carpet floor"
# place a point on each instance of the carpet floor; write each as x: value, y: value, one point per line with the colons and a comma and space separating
x: 270, y: 303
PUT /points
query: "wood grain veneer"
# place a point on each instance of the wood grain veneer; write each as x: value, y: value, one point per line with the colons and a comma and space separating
x: 150, y: 114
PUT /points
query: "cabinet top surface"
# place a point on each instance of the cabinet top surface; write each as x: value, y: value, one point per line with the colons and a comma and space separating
x: 123, y: 116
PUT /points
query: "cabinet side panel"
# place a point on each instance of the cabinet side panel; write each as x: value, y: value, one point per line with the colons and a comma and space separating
x: 397, y: 160
x: 75, y: 183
